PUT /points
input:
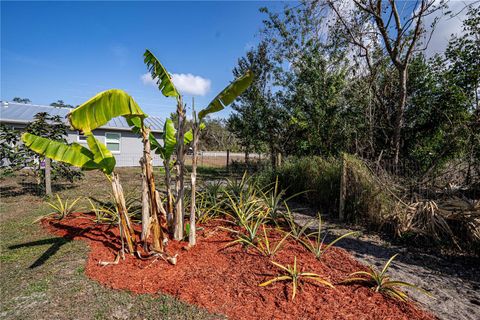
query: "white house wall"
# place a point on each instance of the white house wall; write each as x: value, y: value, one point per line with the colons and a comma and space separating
x: 131, y: 147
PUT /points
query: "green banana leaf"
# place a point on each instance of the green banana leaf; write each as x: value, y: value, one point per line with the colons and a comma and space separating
x: 188, y: 137
x: 102, y: 108
x: 169, y: 140
x: 101, y: 155
x: 228, y: 95
x: 73, y: 154
x: 160, y: 75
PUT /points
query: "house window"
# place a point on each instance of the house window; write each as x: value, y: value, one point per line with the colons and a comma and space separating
x: 112, y: 140
x: 81, y: 137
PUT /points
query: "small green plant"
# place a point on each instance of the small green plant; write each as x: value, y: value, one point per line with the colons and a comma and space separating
x: 296, y: 231
x: 244, y: 208
x: 61, y: 208
x: 293, y: 274
x: 380, y: 282
x: 267, y: 248
x: 273, y: 198
x: 250, y: 226
x: 106, y: 215
x: 209, y: 201
x: 318, y: 248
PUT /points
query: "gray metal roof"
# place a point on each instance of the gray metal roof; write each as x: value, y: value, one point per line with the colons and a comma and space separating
x: 12, y: 112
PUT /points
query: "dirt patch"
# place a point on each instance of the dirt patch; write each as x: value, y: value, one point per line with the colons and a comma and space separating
x: 225, y: 281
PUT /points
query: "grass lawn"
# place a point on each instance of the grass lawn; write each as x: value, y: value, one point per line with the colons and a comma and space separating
x: 42, y: 276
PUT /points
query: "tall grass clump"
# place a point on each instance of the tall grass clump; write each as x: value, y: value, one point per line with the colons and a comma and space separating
x: 317, y: 178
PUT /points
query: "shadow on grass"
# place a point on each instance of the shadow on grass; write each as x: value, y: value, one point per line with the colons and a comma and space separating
x: 106, y: 237
x: 56, y: 244
x: 28, y: 188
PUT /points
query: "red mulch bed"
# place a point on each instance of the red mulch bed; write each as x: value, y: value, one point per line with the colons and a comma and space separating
x: 225, y: 281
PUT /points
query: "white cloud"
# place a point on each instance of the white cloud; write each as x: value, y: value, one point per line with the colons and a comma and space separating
x: 185, y: 83
x: 147, y: 79
x: 445, y: 27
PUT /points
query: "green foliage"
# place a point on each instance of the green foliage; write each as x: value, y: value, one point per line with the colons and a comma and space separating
x: 21, y: 100
x: 228, y: 94
x: 106, y: 212
x: 295, y: 276
x: 15, y: 155
x: 161, y: 75
x: 73, y: 154
x: 103, y: 107
x: 380, y: 282
x: 61, y: 104
x: 317, y: 180
x: 318, y: 247
x: 209, y: 201
x: 266, y: 247
x: 273, y: 197
x: 61, y: 208
x: 296, y: 231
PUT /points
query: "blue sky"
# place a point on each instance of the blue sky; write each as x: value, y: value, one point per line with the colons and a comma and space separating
x: 72, y: 50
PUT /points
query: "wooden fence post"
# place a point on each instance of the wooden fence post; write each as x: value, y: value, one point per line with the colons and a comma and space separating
x: 48, y: 177
x: 228, y: 160
x: 343, y: 189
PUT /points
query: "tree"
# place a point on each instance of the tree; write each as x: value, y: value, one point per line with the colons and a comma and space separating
x: 21, y: 100
x: 166, y: 86
x: 16, y: 156
x: 61, y: 104
x: 90, y: 115
x: 400, y: 34
x: 258, y: 120
x: 217, y: 137
x: 464, y: 61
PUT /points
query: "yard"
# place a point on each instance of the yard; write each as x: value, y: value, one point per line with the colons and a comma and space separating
x: 42, y: 276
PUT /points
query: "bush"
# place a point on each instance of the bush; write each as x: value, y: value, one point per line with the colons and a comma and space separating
x: 366, y: 199
x: 317, y: 175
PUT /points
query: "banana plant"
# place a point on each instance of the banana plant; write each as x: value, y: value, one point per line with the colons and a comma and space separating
x: 165, y: 85
x: 88, y: 116
x: 96, y: 157
x: 223, y: 99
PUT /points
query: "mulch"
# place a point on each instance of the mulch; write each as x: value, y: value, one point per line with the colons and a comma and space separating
x: 225, y: 280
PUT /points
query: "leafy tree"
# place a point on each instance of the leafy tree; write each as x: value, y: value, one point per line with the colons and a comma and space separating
x: 217, y: 137
x: 258, y: 121
x: 21, y: 100
x: 61, y: 104
x: 16, y: 156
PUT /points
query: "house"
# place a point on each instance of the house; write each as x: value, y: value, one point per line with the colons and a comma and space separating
x: 125, y: 145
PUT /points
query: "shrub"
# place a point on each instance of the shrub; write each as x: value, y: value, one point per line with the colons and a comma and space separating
x: 316, y: 177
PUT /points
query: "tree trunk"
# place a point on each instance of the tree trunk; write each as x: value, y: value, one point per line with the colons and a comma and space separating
x: 145, y: 207
x: 156, y: 219
x: 402, y: 77
x: 180, y: 166
x: 48, y: 177
x: 125, y: 226
x: 168, y: 182
x: 192, y: 234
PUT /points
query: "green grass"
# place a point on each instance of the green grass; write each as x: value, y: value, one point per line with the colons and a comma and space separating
x: 58, y: 287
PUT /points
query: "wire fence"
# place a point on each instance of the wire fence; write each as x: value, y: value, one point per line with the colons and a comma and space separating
x: 218, y: 159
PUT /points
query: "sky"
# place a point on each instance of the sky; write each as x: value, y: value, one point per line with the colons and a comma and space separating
x: 73, y: 50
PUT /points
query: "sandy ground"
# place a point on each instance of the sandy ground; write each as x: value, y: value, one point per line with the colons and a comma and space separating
x: 453, y: 281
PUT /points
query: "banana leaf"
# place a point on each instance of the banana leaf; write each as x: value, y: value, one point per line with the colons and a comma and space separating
x: 102, y: 108
x: 73, y: 154
x: 228, y: 95
x: 160, y: 75
x: 101, y: 155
